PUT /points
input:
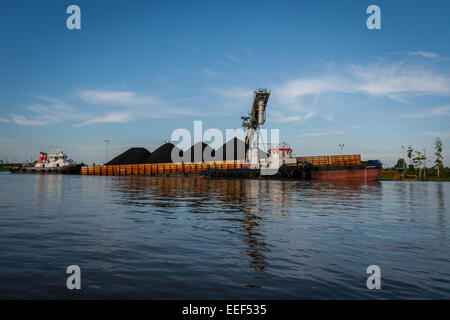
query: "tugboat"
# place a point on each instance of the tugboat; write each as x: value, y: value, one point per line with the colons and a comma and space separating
x: 56, y: 163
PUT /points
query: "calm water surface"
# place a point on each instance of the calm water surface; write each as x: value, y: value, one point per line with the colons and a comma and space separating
x: 194, y: 238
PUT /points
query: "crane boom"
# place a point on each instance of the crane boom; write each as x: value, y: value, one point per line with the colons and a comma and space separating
x: 257, y: 115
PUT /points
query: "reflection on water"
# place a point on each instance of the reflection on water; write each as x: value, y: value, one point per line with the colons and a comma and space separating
x: 190, y: 237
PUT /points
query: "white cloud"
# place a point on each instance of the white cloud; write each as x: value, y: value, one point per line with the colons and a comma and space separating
x: 380, y: 80
x: 235, y: 93
x: 21, y: 120
x: 295, y: 100
x: 438, y: 134
x: 131, y: 106
x: 118, y: 98
x: 425, y: 54
x: 231, y: 100
x: 434, y: 112
x: 232, y: 58
x: 323, y: 133
x: 396, y: 81
x: 4, y: 120
x: 374, y: 79
x: 311, y: 86
x: 47, y: 111
x: 208, y: 72
x: 288, y: 119
x: 278, y: 116
x: 137, y: 106
x: 441, y: 111
x: 119, y: 117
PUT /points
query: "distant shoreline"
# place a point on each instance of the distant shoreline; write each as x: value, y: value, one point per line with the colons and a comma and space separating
x: 384, y: 178
x: 8, y: 166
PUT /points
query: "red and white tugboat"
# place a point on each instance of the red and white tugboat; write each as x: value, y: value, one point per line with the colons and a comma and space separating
x: 55, y: 162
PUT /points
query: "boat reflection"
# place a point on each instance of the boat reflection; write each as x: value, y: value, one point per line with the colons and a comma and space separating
x: 238, y: 204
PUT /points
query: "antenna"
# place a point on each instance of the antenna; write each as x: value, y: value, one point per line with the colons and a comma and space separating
x: 106, y: 157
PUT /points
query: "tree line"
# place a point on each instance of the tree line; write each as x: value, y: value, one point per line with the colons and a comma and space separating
x: 418, y: 162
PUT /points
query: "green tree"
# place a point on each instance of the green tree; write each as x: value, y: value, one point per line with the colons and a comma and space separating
x: 409, y: 153
x: 400, y: 163
x: 418, y: 161
x: 424, y: 163
x: 438, y: 154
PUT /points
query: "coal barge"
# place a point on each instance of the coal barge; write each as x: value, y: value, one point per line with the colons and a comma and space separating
x: 278, y: 162
x: 281, y: 163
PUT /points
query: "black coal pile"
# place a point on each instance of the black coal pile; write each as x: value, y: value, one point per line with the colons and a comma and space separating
x: 131, y: 156
x: 164, y: 154
x: 234, y: 149
x: 205, y: 153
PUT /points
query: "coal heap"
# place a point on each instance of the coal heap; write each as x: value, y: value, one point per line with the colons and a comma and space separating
x: 234, y: 149
x: 131, y: 156
x: 207, y: 153
x: 163, y: 154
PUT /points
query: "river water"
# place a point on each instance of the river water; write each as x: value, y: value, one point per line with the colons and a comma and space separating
x: 194, y: 238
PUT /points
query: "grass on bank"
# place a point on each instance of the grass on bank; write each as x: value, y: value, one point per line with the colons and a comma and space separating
x: 428, y: 174
x: 8, y: 166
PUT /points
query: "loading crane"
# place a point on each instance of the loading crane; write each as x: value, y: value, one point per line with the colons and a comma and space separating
x: 279, y: 163
x: 255, y: 118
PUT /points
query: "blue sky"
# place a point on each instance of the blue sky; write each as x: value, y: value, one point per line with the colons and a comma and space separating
x: 137, y: 70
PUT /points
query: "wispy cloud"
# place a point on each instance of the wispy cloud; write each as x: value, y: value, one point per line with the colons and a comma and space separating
x: 119, y: 117
x: 281, y: 116
x: 232, y: 99
x: 295, y: 100
x: 47, y: 111
x: 400, y: 81
x: 425, y: 54
x: 323, y: 133
x: 312, y: 86
x: 208, y: 72
x: 434, y: 112
x: 232, y: 58
x: 438, y: 134
x: 373, y: 79
x: 399, y: 78
x: 23, y: 121
x: 117, y: 98
x: 130, y: 106
x: 234, y: 93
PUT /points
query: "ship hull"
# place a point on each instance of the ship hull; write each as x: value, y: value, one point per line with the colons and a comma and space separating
x: 71, y: 169
x: 345, y: 174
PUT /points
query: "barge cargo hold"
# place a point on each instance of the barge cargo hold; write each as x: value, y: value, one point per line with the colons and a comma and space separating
x: 152, y: 169
x: 357, y: 170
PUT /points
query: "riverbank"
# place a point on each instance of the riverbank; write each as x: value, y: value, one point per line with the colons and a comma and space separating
x: 388, y: 178
x: 8, y: 166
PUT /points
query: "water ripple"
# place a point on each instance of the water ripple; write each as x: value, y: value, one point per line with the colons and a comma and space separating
x: 195, y: 238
